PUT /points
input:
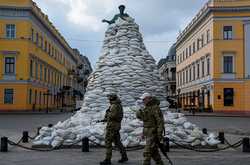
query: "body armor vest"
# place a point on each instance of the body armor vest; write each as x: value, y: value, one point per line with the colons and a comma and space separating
x: 119, y: 113
x: 148, y: 120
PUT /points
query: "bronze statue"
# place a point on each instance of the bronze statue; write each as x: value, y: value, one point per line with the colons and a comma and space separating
x: 122, y: 15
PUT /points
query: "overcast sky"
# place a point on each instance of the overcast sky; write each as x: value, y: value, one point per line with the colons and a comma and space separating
x: 79, y: 21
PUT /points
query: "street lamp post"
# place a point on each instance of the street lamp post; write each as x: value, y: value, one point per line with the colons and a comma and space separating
x: 178, y: 91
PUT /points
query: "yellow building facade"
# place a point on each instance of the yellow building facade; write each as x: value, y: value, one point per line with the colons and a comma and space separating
x: 35, y: 59
x: 212, y: 58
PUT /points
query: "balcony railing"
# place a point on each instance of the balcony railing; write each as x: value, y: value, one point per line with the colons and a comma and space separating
x: 71, y: 71
x: 170, y: 78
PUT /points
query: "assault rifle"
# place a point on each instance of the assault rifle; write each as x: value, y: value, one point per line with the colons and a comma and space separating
x: 105, y: 118
x: 160, y: 145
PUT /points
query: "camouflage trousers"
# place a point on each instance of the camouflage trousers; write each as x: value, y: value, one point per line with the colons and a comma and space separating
x: 151, y: 151
x: 110, y: 137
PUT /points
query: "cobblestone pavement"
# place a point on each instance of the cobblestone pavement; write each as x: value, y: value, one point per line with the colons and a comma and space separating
x: 12, y: 126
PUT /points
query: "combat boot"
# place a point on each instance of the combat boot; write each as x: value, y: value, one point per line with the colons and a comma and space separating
x: 123, y: 159
x: 106, y: 161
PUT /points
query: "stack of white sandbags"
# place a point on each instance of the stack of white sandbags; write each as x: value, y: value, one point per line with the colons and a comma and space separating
x: 126, y: 68
x: 177, y: 129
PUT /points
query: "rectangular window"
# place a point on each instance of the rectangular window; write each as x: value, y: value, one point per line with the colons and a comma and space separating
x: 208, y: 66
x: 31, y: 67
x: 227, y: 32
x: 228, y: 97
x: 202, y: 40
x: 178, y: 60
x: 53, y: 51
x: 49, y: 49
x: 9, y: 65
x: 55, y: 78
x: 46, y: 49
x: 49, y: 76
x: 208, y: 36
x: 45, y: 74
x: 35, y: 96
x: 173, y: 57
x: 183, y: 77
x: 54, y: 99
x: 193, y: 72
x: 36, y: 69
x: 186, y: 52
x: 193, y: 47
x: 8, y: 96
x: 56, y: 54
x: 180, y: 79
x: 30, y: 101
x: 186, y: 76
x: 41, y: 42
x: 37, y: 39
x: 52, y: 77
x: 198, y: 71
x: 40, y: 98
x: 198, y: 44
x: 32, y: 35
x: 202, y: 69
x: 51, y: 100
x: 228, y: 64
x: 183, y: 55
x: 10, y: 31
x: 189, y: 74
x: 60, y: 81
x: 44, y: 98
x: 190, y: 50
x: 61, y: 59
x: 41, y: 72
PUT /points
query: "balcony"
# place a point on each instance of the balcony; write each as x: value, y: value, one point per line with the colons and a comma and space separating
x: 76, y: 75
x: 80, y: 79
x: 71, y: 71
x: 80, y: 66
x: 86, y: 72
x: 170, y: 79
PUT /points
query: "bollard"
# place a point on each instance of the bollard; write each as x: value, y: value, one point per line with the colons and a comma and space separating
x: 246, y: 144
x: 221, y: 138
x: 204, y: 130
x: 34, y: 107
x: 39, y: 109
x: 38, y: 129
x: 166, y: 144
x: 61, y: 110
x: 25, y: 137
x: 50, y: 125
x: 4, y: 144
x: 50, y: 110
x: 85, y: 145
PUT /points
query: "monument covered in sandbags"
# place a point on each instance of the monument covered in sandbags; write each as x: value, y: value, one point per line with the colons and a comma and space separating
x: 126, y: 68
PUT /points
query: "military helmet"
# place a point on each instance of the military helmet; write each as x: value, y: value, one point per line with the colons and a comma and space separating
x: 112, y: 96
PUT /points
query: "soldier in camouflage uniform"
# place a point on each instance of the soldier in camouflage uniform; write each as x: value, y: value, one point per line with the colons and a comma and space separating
x: 152, y: 121
x: 114, y: 117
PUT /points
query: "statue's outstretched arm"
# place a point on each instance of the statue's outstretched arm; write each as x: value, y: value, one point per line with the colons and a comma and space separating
x: 111, y: 21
